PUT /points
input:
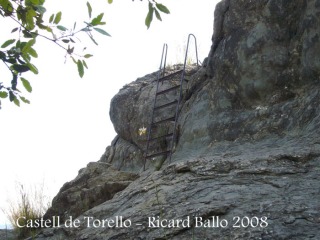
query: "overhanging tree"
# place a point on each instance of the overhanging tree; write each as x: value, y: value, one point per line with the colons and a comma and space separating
x: 18, y: 52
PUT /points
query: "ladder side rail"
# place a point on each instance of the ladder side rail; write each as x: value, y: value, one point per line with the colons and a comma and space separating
x: 180, y: 94
x: 165, y: 61
x: 195, y: 46
x: 162, y: 62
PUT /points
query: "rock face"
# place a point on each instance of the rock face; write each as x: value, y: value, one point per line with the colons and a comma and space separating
x: 131, y: 110
x: 95, y: 184
x: 260, y: 58
x: 247, y: 157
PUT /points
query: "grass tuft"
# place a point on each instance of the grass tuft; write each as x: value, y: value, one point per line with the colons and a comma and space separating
x: 29, y: 205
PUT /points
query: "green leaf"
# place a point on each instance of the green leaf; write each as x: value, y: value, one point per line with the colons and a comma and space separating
x: 23, y: 99
x: 57, y: 19
x: 21, y: 13
x: 30, y: 15
x: 158, y: 15
x: 7, y: 43
x: 33, y: 68
x: 88, y: 56
x: 93, y: 40
x: 19, y: 44
x: 33, y: 53
x: 14, y: 30
x: 34, y: 2
x: 65, y: 40
x: 6, y: 6
x: 3, y: 94
x: 2, y: 55
x: 97, y: 20
x: 80, y: 68
x: 29, y: 44
x: 99, y: 30
x: 27, y: 48
x: 84, y: 64
x: 40, y: 22
x: 89, y: 9
x: 149, y: 15
x: 62, y: 28
x: 11, y: 60
x: 51, y: 18
x: 73, y: 60
x: 26, y: 58
x: 40, y: 9
x: 110, y: 1
x: 162, y: 8
x: 16, y: 101
x: 26, y: 84
x: 28, y: 34
x: 20, y: 68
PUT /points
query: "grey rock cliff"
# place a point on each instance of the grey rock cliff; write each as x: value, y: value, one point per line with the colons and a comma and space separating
x: 248, y: 143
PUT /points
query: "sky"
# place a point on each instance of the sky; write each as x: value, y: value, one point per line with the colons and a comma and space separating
x: 67, y: 124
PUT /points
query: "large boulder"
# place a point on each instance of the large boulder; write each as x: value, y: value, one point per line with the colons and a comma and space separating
x: 247, y: 152
x: 261, y: 49
x: 259, y: 72
x: 95, y: 184
x: 130, y: 110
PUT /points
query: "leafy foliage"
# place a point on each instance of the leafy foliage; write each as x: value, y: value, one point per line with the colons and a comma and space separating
x: 17, y: 53
x: 155, y: 8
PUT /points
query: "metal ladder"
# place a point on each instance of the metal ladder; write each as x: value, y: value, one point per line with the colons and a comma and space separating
x: 153, y: 136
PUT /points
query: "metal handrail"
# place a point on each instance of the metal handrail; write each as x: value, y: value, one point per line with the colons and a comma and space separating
x: 164, y: 50
x: 181, y: 83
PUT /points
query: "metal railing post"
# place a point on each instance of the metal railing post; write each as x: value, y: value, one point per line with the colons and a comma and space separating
x: 181, y: 83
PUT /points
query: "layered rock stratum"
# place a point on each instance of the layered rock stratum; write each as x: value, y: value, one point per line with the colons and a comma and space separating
x: 248, y: 145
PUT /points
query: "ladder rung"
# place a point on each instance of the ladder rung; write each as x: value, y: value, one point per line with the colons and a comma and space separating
x: 158, y: 154
x: 166, y: 105
x: 167, y: 90
x: 168, y: 77
x: 164, y: 120
x: 163, y: 136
